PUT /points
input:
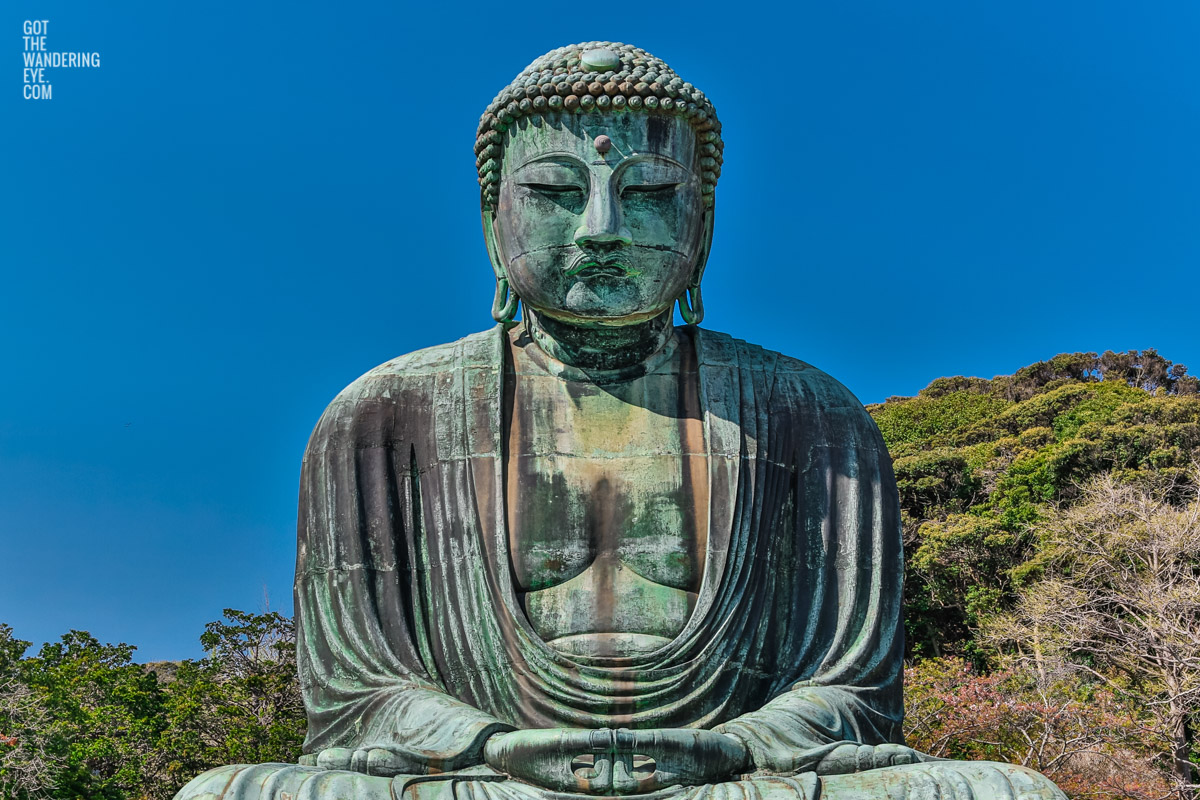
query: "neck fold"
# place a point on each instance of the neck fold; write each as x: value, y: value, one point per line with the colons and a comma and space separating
x: 598, y: 347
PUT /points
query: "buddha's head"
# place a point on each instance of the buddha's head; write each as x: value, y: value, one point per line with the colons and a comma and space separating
x: 597, y: 168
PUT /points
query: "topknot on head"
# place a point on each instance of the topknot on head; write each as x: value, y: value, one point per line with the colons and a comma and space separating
x: 595, y: 77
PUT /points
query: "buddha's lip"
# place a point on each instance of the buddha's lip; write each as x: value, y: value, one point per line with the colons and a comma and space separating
x: 591, y: 265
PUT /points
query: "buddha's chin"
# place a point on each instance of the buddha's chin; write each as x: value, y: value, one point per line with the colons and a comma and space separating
x: 615, y: 302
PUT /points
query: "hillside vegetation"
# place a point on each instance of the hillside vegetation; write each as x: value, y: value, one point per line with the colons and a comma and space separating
x: 1052, y: 566
x: 980, y: 463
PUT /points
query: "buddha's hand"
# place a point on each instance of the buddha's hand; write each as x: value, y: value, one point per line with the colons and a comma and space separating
x: 621, y: 761
x: 848, y: 757
x: 367, y: 760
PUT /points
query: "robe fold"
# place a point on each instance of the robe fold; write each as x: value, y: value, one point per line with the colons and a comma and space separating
x: 411, y: 637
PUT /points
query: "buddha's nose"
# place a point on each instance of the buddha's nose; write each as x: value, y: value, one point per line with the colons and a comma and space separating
x: 603, y: 224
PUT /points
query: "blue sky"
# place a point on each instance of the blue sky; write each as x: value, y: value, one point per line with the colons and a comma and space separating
x: 250, y: 204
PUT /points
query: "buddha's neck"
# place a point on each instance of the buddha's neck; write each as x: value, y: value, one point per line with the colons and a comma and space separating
x: 598, y: 347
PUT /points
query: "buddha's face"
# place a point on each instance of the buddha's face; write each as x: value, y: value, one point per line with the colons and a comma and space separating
x: 595, y: 231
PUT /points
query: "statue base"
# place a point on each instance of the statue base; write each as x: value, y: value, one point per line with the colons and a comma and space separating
x: 960, y: 780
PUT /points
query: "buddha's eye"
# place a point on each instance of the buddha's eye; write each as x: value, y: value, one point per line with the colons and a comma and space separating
x: 652, y: 179
x: 553, y: 188
x: 649, y: 188
x: 547, y: 196
x: 552, y: 180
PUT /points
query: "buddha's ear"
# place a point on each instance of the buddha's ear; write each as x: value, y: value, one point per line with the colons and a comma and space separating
x: 706, y: 235
x: 506, y: 302
x: 489, y: 238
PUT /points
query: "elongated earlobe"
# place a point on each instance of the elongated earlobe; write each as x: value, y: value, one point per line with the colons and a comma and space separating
x: 691, y: 306
x: 506, y: 301
x: 504, y: 306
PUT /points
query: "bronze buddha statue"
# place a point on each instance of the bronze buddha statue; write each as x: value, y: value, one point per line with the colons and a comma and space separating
x: 590, y: 552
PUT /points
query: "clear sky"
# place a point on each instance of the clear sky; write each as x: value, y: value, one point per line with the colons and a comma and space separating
x: 247, y: 205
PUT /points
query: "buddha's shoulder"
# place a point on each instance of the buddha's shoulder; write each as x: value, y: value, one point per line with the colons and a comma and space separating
x: 788, y: 379
x: 422, y: 371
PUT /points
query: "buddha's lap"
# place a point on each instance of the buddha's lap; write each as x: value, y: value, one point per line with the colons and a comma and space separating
x: 951, y: 780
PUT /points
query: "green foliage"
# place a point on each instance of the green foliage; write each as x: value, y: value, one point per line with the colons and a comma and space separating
x: 1118, y: 601
x: 979, y: 464
x: 929, y: 418
x: 11, y: 651
x: 24, y: 764
x: 241, y: 704
x: 105, y: 716
x: 81, y: 721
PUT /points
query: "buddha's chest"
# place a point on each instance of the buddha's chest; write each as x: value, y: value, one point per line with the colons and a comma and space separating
x: 570, y: 508
x: 607, y: 497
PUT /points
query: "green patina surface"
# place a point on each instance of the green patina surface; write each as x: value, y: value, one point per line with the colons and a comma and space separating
x: 606, y: 490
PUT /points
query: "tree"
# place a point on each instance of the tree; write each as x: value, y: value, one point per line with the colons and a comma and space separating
x: 241, y: 703
x: 102, y: 716
x: 1084, y: 737
x: 1120, y: 601
x: 979, y: 463
x: 25, y: 765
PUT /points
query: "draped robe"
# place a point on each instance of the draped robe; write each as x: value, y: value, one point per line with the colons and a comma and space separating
x: 410, y: 636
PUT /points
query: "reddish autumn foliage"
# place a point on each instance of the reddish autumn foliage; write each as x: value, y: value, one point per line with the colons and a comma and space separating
x: 1084, y: 737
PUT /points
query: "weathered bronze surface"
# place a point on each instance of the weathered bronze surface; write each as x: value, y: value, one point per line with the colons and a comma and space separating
x: 591, y: 553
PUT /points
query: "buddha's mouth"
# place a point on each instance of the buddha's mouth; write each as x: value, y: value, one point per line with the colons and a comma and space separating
x: 588, y: 265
